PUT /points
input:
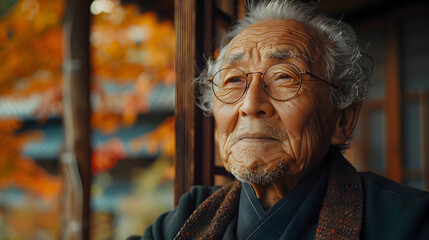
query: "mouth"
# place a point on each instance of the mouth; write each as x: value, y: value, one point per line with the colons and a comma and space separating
x: 256, y: 137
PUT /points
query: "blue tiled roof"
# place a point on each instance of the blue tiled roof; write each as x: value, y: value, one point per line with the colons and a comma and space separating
x: 161, y: 100
x: 22, y: 108
x: 49, y: 146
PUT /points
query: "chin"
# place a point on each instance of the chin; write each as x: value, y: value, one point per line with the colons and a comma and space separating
x: 259, y: 174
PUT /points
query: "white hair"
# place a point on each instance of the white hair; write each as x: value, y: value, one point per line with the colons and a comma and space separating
x: 346, y: 65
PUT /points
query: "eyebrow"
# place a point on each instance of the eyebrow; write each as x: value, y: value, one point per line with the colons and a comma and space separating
x: 283, y: 54
x: 234, y: 58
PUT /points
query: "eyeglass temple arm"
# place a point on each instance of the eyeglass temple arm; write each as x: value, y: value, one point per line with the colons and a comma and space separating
x: 323, y: 80
x: 211, y: 80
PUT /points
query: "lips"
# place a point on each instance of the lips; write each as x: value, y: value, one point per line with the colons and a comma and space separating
x: 255, y: 136
x: 256, y: 131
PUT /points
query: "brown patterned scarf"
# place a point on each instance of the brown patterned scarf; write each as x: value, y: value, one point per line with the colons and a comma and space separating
x: 340, y: 216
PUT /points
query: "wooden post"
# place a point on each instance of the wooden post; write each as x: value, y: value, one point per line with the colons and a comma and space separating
x: 204, y: 136
x: 184, y: 20
x: 194, y: 131
x: 76, y: 155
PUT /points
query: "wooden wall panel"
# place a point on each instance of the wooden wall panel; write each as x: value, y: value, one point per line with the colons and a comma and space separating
x: 424, y: 123
x: 393, y: 105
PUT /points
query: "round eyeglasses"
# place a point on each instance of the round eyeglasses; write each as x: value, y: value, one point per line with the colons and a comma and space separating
x: 281, y: 81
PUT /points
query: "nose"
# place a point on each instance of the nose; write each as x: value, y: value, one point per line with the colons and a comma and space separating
x: 255, y: 102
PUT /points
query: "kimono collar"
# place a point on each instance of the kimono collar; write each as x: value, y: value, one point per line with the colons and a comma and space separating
x: 340, y: 216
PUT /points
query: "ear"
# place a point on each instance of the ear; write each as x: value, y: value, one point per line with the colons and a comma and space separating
x: 346, y: 122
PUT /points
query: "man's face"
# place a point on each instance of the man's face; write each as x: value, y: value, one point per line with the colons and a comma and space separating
x: 262, y: 140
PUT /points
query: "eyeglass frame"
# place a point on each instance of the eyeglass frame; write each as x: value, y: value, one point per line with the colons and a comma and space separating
x: 264, y: 85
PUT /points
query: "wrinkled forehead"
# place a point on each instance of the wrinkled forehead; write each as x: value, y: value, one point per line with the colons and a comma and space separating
x: 278, y: 39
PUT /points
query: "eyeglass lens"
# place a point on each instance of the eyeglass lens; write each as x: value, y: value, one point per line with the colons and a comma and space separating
x: 281, y: 81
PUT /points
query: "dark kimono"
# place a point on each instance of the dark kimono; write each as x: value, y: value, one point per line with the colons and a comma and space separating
x: 390, y: 211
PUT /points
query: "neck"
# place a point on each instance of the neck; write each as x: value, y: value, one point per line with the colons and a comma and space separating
x: 270, y: 194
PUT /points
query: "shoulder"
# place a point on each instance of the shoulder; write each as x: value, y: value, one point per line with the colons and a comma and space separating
x: 168, y: 224
x: 393, y: 211
x: 198, y: 194
x: 376, y: 182
x: 189, y: 201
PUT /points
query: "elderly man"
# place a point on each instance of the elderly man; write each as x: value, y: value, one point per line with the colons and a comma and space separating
x: 285, y: 93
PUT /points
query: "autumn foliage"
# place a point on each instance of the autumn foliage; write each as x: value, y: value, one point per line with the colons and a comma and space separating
x: 107, y: 155
x: 130, y: 48
x: 127, y: 48
x: 19, y: 170
x: 30, y: 47
x: 28, y: 29
x: 161, y: 139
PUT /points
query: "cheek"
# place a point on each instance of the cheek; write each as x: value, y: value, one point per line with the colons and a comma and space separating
x: 295, y: 116
x: 307, y: 121
x: 226, y: 116
x: 315, y: 107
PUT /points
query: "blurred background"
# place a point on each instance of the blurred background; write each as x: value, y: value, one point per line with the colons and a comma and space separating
x: 90, y: 108
x: 132, y: 95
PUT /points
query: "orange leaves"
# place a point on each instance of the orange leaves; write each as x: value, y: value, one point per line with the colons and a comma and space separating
x: 20, y: 171
x: 129, y: 48
x: 8, y: 126
x: 106, y: 122
x: 51, y: 103
x: 124, y: 47
x: 162, y: 138
x: 12, y: 143
x: 51, y: 46
x: 131, y: 108
x: 30, y: 49
x: 106, y: 156
x: 30, y: 41
x: 28, y: 175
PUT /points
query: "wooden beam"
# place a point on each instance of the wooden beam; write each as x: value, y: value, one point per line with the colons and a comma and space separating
x: 393, y: 105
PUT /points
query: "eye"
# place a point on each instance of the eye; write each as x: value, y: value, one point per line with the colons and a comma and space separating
x: 233, y: 81
x: 230, y: 77
x: 283, y: 77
